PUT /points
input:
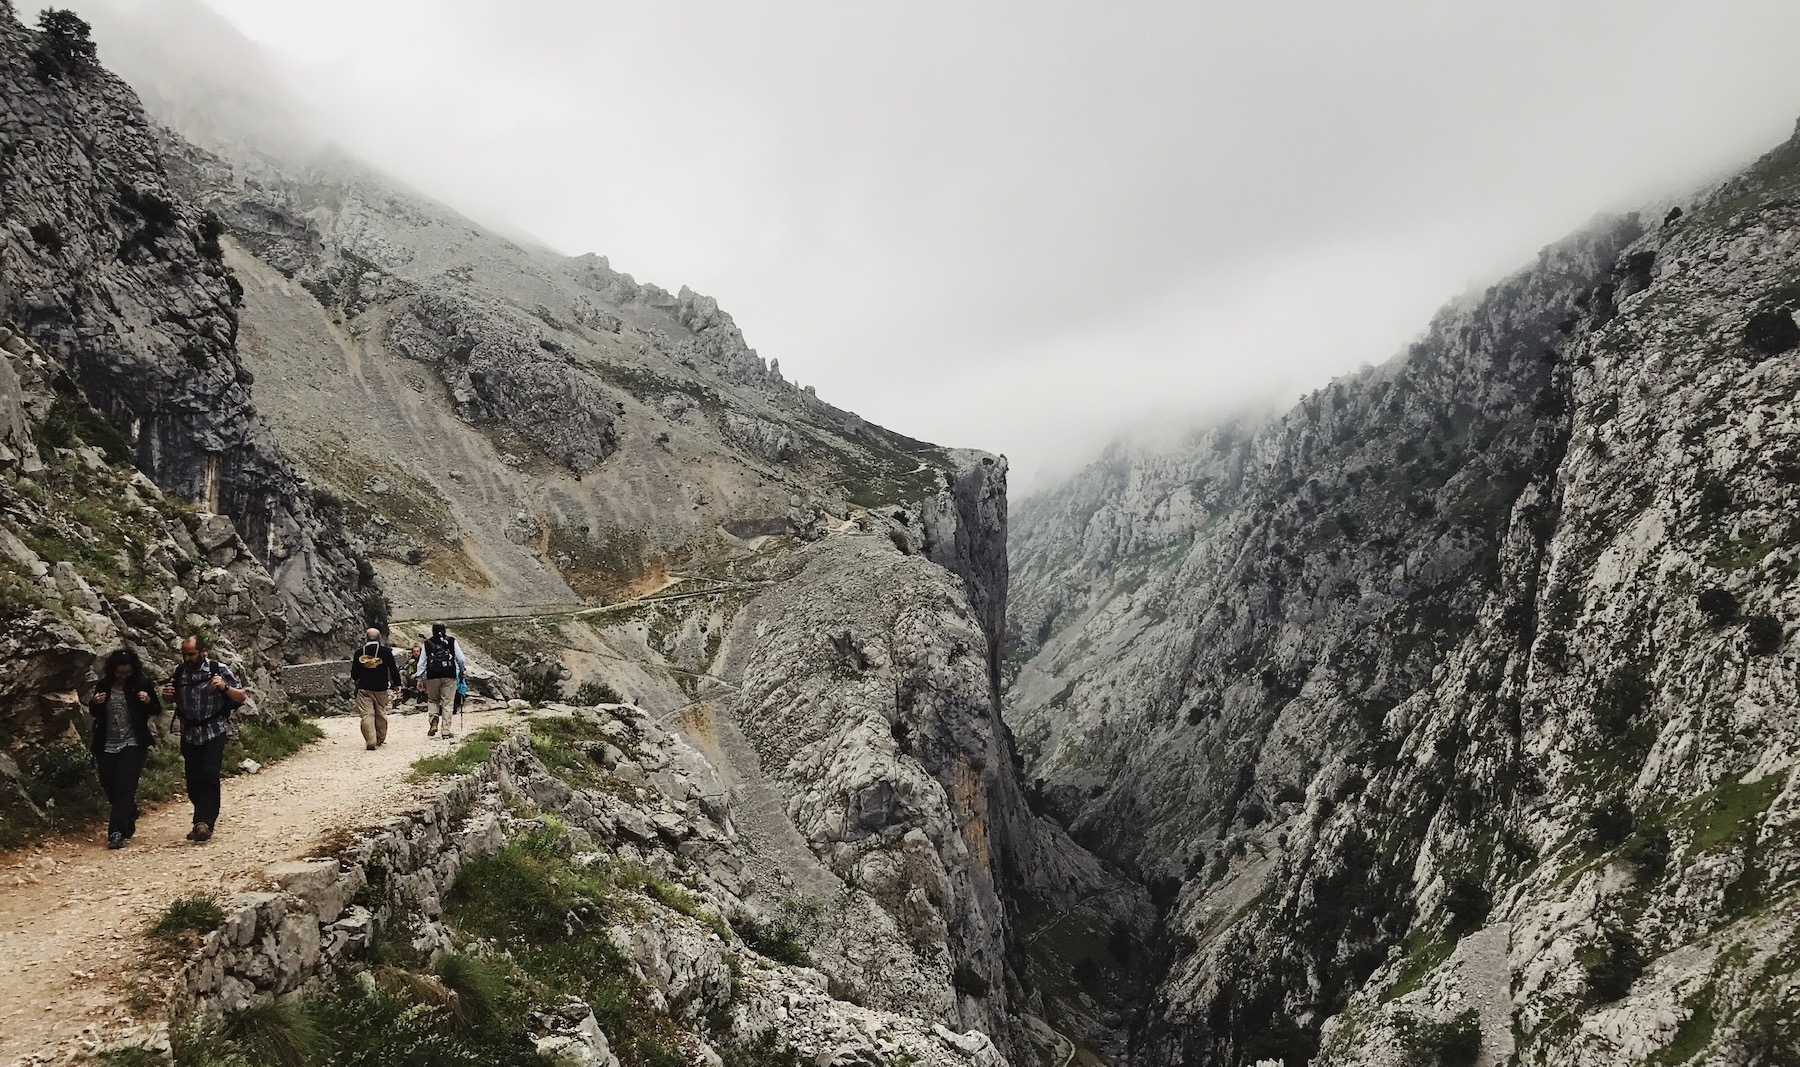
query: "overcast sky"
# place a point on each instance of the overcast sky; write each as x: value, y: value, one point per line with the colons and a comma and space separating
x: 1028, y: 227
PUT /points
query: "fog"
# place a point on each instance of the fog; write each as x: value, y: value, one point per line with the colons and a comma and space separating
x: 1030, y: 227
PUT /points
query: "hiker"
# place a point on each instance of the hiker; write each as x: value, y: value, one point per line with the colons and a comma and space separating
x: 411, y: 693
x: 205, y: 694
x: 124, y: 706
x: 439, y: 666
x: 376, y: 677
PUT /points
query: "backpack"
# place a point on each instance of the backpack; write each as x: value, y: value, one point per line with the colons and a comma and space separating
x: 440, y: 657
x: 370, y: 658
x: 211, y: 670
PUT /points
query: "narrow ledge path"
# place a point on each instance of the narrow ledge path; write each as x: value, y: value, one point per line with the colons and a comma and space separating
x: 73, y: 915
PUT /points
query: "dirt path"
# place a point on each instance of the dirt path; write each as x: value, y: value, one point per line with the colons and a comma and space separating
x: 72, y: 914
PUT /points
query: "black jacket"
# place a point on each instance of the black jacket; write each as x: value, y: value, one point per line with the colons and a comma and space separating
x: 141, y: 711
x: 384, y: 676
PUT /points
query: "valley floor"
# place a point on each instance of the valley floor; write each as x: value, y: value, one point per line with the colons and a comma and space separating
x: 73, y: 915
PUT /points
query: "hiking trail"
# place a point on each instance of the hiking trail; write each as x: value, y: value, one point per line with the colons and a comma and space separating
x: 73, y: 915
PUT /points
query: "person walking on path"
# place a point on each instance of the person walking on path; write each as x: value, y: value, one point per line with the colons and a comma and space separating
x: 124, y: 706
x: 439, y: 668
x: 205, y: 694
x: 376, y: 677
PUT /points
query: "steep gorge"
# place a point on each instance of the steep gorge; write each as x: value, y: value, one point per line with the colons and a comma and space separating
x: 1455, y: 705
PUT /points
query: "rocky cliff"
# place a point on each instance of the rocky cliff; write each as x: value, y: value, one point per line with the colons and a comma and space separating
x: 124, y: 283
x: 1449, y: 714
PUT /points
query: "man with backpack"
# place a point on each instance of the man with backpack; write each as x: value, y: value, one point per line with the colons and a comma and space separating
x: 440, y: 666
x: 376, y: 676
x: 205, y: 693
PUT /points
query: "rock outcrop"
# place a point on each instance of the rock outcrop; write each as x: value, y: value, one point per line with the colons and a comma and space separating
x: 1447, y: 711
x: 124, y: 284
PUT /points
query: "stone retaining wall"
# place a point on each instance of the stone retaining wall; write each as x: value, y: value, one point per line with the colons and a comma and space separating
x: 325, y: 910
x: 329, y: 678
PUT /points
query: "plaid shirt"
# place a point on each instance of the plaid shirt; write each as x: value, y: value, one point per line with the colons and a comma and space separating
x: 204, y: 712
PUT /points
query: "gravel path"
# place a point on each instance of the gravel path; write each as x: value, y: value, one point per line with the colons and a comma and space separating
x: 72, y: 914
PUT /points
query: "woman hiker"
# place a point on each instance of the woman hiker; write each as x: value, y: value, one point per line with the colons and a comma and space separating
x: 123, y: 707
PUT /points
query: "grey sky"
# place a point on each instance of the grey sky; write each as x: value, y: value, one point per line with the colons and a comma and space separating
x: 1027, y: 227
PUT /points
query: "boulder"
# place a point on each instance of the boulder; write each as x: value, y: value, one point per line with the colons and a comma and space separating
x: 47, y: 662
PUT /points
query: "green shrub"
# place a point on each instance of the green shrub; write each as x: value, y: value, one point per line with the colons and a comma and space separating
x: 968, y: 981
x: 276, y: 1033
x: 387, y: 1027
x: 570, y: 748
x: 1610, y: 824
x: 67, y: 43
x: 1468, y: 902
x: 1453, y: 1043
x: 551, y: 918
x: 540, y: 680
x: 475, y: 988
x: 1717, y: 605
x: 46, y: 235
x: 766, y: 1049
x: 782, y: 938
x: 67, y: 424
x: 594, y: 691
x: 1621, y: 698
x: 1613, y: 965
x: 521, y: 896
x: 1648, y: 852
x: 269, y: 739
x: 1762, y: 634
x: 211, y: 229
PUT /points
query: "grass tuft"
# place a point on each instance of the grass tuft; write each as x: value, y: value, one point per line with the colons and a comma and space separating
x: 472, y: 753
x: 276, y: 1033
x: 188, y: 917
x: 475, y: 988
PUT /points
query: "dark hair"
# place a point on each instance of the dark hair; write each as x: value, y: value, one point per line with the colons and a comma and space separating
x: 437, y: 629
x: 126, y: 657
x: 199, y: 642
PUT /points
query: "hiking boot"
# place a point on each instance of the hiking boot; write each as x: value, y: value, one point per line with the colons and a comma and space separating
x: 115, y: 839
x: 194, y: 834
x: 202, y: 832
x: 431, y: 732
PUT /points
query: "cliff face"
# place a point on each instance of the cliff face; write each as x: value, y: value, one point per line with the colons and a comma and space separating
x: 1454, y: 707
x: 862, y: 682
x: 124, y: 283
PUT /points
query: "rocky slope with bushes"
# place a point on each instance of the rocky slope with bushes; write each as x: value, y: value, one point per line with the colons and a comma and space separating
x: 123, y: 284
x: 582, y: 893
x: 1448, y: 717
